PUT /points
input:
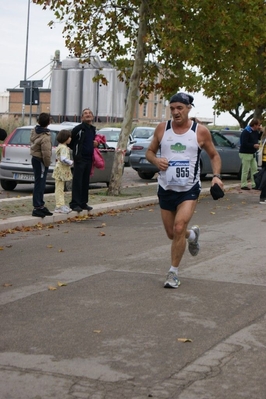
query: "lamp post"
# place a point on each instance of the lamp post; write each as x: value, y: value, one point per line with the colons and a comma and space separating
x: 26, y: 62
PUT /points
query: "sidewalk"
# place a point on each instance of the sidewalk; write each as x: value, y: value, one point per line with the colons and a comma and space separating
x: 131, y: 197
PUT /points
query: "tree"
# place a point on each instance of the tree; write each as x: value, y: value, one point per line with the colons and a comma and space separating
x: 192, y: 44
x: 132, y: 36
x: 233, y: 62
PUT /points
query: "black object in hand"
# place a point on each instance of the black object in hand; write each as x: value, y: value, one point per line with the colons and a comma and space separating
x: 216, y: 192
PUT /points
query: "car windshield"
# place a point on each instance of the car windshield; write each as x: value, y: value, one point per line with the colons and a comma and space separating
x: 110, y: 135
x: 143, y: 133
x: 22, y: 137
x: 220, y: 140
x: 233, y: 138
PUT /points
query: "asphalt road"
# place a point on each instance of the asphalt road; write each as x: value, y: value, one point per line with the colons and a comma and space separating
x: 130, y: 177
x: 111, y: 331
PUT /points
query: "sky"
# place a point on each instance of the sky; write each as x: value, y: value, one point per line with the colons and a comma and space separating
x: 42, y: 44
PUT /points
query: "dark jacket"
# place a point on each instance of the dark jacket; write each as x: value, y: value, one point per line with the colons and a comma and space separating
x: 82, y: 137
x: 248, y: 138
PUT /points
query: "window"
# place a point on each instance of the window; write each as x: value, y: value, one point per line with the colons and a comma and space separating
x: 145, y: 109
x: 155, y: 110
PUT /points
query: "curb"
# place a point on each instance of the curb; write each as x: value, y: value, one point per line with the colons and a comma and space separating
x: 30, y: 221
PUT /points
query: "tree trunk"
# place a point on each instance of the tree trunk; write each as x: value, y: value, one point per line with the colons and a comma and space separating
x: 132, y: 97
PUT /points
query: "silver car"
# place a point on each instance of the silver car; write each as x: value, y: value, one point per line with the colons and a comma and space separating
x: 15, y: 165
x: 228, y: 151
x: 112, y: 136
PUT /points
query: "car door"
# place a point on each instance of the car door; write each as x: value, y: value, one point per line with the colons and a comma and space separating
x: 228, y: 152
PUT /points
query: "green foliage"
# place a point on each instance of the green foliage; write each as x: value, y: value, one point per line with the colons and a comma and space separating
x: 219, y: 46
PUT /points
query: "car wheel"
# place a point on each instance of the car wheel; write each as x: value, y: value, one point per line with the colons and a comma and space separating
x: 8, y: 185
x: 146, y: 175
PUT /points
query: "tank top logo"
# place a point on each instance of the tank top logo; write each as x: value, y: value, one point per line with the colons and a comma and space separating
x: 178, y: 147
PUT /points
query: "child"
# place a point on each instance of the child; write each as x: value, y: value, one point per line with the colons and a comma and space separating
x: 62, y: 170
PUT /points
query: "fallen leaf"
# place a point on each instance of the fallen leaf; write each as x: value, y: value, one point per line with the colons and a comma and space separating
x: 49, y: 246
x: 61, y: 250
x: 102, y: 233
x: 1, y: 248
x: 7, y: 285
x: 97, y: 331
x: 184, y: 339
x: 52, y: 288
x: 9, y: 246
x: 61, y: 284
x: 212, y: 213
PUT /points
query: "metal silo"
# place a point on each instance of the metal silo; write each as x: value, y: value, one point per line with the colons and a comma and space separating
x: 58, y: 92
x: 106, y: 96
x: 73, y: 98
x: 89, y: 90
x: 120, y: 94
x: 70, y: 63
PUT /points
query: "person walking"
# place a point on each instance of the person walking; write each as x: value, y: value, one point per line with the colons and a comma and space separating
x: 249, y: 145
x: 82, y: 143
x: 41, y: 152
x: 62, y: 171
x: 180, y: 141
x: 262, y: 165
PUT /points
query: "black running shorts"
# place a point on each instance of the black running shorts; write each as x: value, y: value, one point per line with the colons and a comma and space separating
x: 169, y: 199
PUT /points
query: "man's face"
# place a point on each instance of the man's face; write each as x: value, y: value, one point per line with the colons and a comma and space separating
x: 179, y: 112
x: 87, y: 116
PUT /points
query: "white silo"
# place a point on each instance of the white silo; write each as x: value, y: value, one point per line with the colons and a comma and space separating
x: 58, y: 93
x: 106, y: 95
x: 90, y: 90
x: 73, y: 89
x: 119, y: 99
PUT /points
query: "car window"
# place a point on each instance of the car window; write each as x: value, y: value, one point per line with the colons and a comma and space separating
x: 220, y: 140
x: 233, y: 138
x: 110, y: 135
x: 22, y: 137
x: 143, y: 133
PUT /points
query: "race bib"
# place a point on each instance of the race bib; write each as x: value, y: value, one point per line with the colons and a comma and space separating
x: 177, y: 173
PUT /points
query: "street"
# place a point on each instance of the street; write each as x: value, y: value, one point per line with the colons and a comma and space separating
x: 130, y: 177
x: 84, y: 313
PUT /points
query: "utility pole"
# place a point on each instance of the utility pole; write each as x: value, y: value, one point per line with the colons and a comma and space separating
x: 26, y: 63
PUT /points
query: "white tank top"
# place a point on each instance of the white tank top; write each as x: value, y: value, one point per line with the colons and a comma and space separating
x: 183, y: 154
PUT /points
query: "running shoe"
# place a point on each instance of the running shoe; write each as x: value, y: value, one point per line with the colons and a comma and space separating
x: 194, y: 246
x: 172, y: 281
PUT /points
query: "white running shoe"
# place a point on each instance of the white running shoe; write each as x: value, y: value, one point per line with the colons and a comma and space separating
x: 172, y: 281
x: 194, y: 246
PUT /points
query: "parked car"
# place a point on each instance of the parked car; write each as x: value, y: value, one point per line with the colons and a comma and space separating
x: 232, y: 135
x: 140, y: 133
x: 231, y: 163
x: 112, y: 136
x: 15, y: 165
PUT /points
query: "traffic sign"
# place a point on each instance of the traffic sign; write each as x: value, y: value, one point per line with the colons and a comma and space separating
x: 31, y: 83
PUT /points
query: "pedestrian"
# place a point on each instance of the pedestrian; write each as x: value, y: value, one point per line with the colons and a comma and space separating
x: 262, y: 164
x: 41, y: 152
x: 82, y: 143
x: 62, y: 171
x: 249, y: 145
x: 180, y: 141
x: 3, y: 134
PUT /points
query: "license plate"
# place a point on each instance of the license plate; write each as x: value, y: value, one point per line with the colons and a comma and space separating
x: 144, y: 160
x: 23, y: 176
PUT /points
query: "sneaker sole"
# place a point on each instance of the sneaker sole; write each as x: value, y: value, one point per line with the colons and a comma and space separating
x: 167, y: 285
